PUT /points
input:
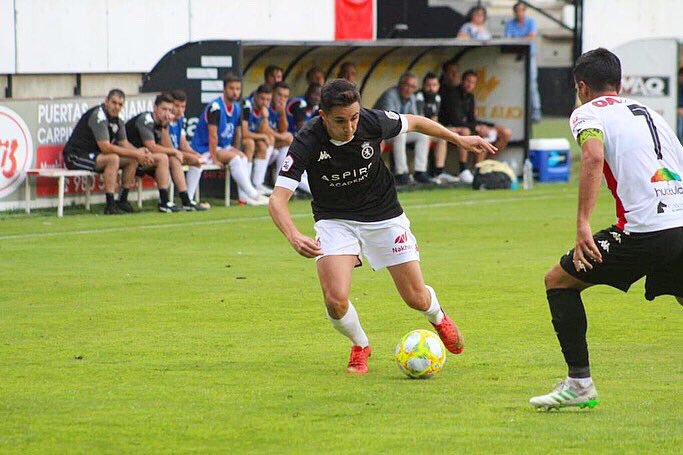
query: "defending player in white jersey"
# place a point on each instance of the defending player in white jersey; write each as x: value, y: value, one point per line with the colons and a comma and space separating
x: 642, y: 162
x: 357, y: 210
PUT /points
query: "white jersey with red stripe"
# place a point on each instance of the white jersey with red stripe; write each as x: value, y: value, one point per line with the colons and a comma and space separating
x: 643, y: 162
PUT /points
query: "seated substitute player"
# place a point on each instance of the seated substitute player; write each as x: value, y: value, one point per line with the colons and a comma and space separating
x: 315, y: 75
x: 150, y: 129
x: 98, y: 143
x: 356, y: 209
x: 278, y: 122
x: 642, y: 161
x: 301, y: 109
x: 176, y: 129
x: 257, y: 138
x: 401, y: 99
x: 218, y: 129
x: 428, y: 104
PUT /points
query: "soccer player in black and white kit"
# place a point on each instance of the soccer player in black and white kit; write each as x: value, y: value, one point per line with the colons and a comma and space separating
x: 642, y: 162
x: 356, y: 209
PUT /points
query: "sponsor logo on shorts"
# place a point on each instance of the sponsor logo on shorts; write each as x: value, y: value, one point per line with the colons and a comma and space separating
x: 287, y: 163
x: 400, y: 244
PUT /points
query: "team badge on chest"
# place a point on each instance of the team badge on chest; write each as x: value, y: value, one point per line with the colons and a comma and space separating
x: 366, y: 150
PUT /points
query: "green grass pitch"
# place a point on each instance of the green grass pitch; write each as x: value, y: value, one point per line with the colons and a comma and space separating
x: 205, y: 332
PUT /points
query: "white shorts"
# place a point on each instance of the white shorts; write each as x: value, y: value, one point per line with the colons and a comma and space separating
x: 383, y: 243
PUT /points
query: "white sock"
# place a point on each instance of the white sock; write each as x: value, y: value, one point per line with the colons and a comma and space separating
x: 271, y: 155
x: 349, y: 326
x: 303, y: 184
x: 192, y: 178
x: 260, y: 167
x: 434, y: 313
x: 240, y: 170
x: 582, y: 382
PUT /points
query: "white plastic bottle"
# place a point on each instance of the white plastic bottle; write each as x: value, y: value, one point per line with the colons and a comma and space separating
x: 527, y: 175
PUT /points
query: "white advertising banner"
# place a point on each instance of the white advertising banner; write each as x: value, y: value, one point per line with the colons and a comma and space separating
x: 649, y: 74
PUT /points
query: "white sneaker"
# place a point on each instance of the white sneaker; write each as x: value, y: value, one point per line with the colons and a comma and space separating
x: 567, y: 393
x: 258, y: 200
x: 264, y: 190
x: 445, y: 177
x: 466, y: 177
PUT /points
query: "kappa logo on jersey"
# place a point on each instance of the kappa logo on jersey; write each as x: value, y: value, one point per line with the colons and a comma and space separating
x: 392, y: 115
x: 148, y: 118
x: 366, y: 150
x: 287, y: 163
x: 324, y: 156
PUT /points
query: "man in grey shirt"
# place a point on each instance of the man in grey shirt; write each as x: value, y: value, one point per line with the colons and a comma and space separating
x: 99, y: 143
x: 402, y: 99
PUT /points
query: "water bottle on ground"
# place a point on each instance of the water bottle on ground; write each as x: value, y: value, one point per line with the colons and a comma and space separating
x: 527, y: 175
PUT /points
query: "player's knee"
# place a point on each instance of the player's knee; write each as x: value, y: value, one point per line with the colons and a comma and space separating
x: 507, y: 133
x: 288, y: 139
x: 556, y: 278
x: 336, y: 301
x: 418, y: 297
x: 161, y: 159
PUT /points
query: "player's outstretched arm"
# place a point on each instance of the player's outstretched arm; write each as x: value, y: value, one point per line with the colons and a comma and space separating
x: 474, y: 144
x: 279, y: 212
x: 592, y: 159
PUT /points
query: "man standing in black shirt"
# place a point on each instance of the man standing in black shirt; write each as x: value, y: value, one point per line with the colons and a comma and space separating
x: 428, y: 104
x: 98, y: 143
x: 356, y: 209
x: 150, y: 129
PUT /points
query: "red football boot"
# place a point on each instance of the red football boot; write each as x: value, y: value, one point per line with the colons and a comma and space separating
x: 450, y: 335
x: 358, y: 362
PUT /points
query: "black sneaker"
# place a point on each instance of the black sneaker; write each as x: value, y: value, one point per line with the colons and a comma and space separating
x: 113, y: 209
x: 402, y: 179
x: 169, y: 207
x: 125, y: 206
x: 194, y: 207
x: 423, y: 177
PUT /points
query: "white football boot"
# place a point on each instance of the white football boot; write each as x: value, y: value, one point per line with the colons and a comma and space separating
x: 567, y: 393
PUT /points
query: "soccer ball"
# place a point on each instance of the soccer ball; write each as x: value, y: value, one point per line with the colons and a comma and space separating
x: 420, y: 354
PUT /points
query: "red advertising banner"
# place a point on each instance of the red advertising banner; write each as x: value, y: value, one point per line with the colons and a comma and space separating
x: 354, y: 19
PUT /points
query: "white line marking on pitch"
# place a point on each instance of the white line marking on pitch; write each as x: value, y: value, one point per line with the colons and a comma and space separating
x: 262, y: 218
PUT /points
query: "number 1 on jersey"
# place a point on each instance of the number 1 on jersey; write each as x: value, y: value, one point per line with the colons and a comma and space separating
x: 637, y: 109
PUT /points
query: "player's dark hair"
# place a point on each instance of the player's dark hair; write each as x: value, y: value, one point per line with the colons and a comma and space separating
x: 163, y: 98
x: 312, y: 86
x: 116, y: 92
x: 178, y: 95
x: 473, y: 10
x: 469, y: 73
x: 599, y: 69
x: 517, y: 5
x: 338, y: 92
x: 231, y: 77
x: 429, y: 76
x: 264, y: 88
x: 312, y: 71
x: 281, y: 84
x: 271, y: 70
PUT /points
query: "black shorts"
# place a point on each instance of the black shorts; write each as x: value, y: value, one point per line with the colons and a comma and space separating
x: 627, y: 258
x: 142, y: 171
x: 81, y: 162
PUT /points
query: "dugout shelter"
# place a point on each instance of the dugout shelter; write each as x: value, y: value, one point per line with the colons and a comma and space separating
x: 502, y: 66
